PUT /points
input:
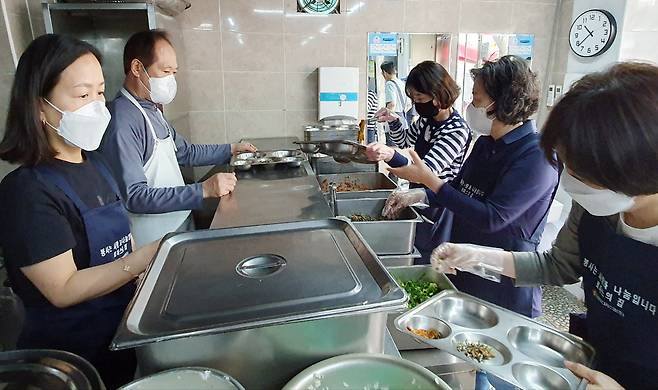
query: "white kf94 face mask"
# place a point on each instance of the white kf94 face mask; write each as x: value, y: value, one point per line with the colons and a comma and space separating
x: 598, y: 202
x: 163, y: 89
x: 477, y: 119
x: 83, y: 127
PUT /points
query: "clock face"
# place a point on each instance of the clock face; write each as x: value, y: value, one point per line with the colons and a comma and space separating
x: 318, y: 6
x: 592, y: 33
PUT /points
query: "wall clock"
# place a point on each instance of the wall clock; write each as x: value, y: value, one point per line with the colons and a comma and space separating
x: 592, y: 33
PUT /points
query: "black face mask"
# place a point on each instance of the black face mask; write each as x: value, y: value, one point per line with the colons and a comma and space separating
x: 426, y: 110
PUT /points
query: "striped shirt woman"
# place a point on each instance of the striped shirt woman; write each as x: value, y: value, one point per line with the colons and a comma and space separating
x: 442, y: 145
x: 373, y: 102
x: 440, y: 136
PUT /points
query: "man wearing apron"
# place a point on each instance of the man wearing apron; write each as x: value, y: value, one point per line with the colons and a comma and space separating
x: 145, y: 151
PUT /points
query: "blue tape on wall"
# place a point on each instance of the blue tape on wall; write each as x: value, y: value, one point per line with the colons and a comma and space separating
x: 339, y: 96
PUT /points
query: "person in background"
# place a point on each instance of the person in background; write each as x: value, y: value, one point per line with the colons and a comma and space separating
x: 394, y: 96
x: 502, y: 195
x: 144, y: 150
x: 372, y: 106
x: 440, y: 137
x: 605, y: 130
x: 64, y: 231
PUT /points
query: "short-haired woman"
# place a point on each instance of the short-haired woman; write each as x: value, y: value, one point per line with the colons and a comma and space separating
x: 440, y: 137
x: 502, y: 195
x: 605, y: 130
x: 65, y: 234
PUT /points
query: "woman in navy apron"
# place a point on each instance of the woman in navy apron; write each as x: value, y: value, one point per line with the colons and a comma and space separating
x: 65, y: 234
x: 440, y: 137
x: 605, y: 130
x: 502, y: 195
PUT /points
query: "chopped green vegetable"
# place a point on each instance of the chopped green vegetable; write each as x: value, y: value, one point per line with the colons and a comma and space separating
x: 419, y: 291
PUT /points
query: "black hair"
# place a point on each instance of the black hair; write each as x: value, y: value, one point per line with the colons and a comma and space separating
x: 389, y: 67
x: 605, y: 129
x: 513, y: 87
x: 38, y: 72
x: 141, y: 46
x: 431, y: 78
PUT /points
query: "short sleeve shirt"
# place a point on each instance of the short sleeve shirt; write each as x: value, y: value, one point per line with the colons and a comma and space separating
x: 41, y: 222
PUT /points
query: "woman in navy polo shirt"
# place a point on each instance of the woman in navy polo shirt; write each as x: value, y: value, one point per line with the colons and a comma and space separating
x: 605, y: 130
x: 502, y: 194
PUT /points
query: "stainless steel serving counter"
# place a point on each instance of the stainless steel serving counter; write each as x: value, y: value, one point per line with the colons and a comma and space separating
x: 264, y: 196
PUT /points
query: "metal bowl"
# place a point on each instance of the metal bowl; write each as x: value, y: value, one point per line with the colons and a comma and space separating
x: 47, y: 369
x: 342, y: 159
x: 186, y: 378
x: 263, y: 160
x: 308, y: 147
x: 279, y: 154
x: 338, y: 148
x: 241, y: 165
x: 292, y: 161
x: 246, y: 156
x: 360, y: 371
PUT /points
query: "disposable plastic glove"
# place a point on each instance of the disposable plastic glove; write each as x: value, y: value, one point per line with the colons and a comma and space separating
x: 386, y: 115
x: 399, y: 200
x: 597, y: 380
x: 483, y: 261
x: 379, y: 152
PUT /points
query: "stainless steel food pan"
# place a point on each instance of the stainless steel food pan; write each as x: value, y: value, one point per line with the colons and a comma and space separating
x: 266, y: 299
x: 394, y: 261
x: 384, y: 237
x: 378, y: 184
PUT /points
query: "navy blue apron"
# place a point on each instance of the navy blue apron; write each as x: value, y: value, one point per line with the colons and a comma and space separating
x: 621, y: 294
x: 87, y: 329
x: 430, y: 235
x: 523, y: 300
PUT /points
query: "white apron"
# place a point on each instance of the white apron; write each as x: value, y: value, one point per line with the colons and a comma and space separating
x: 161, y: 171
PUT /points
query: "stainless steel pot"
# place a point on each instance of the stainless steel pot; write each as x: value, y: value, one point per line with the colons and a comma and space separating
x: 267, y: 299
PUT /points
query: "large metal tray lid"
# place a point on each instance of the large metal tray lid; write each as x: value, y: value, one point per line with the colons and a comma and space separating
x: 224, y: 280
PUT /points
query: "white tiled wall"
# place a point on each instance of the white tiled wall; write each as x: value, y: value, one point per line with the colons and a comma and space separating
x: 640, y: 31
x: 248, y: 67
x: 269, y: 53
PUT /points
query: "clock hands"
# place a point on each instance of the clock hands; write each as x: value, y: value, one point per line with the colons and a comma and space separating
x: 591, y: 34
